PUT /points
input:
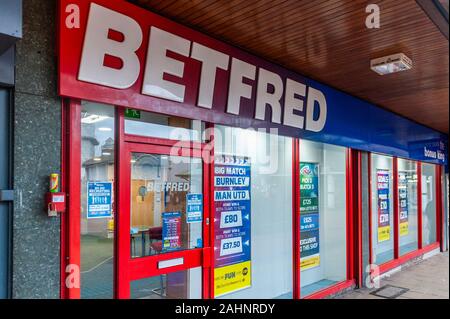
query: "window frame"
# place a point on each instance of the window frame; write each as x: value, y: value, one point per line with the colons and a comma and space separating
x: 398, y: 260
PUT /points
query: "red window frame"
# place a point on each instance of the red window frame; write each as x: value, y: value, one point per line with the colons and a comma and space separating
x: 353, y: 265
x: 126, y: 269
x: 399, y: 260
x: 70, y: 231
x: 129, y: 269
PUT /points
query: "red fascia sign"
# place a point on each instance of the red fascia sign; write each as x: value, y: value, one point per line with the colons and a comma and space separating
x: 117, y: 53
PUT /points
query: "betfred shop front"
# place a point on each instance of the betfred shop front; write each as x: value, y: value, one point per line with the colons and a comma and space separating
x: 196, y: 170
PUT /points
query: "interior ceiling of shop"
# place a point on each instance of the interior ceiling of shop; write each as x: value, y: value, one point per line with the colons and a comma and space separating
x: 328, y: 41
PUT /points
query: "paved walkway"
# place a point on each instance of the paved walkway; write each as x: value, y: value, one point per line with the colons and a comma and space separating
x: 425, y: 280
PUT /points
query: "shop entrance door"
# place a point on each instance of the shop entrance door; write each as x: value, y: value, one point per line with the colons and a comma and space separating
x: 162, y: 249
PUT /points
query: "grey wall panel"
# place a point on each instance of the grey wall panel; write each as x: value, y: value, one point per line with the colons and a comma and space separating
x: 37, y: 138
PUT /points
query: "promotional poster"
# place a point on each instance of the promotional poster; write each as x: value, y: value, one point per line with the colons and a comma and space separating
x: 232, y: 241
x: 403, y: 202
x: 309, y: 216
x: 384, y: 223
x: 171, y: 231
x: 99, y: 200
x: 194, y: 208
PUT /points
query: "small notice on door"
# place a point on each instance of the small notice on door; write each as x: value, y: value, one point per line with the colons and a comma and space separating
x: 171, y: 231
x: 99, y: 200
x: 194, y: 208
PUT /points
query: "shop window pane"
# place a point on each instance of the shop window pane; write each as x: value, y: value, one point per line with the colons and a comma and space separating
x: 382, y: 209
x: 407, y: 204
x: 323, y: 249
x: 97, y: 216
x: 161, y: 187
x: 162, y: 126
x: 186, y: 284
x: 269, y: 265
x: 428, y: 204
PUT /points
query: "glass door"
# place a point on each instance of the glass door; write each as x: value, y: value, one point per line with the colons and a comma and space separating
x: 163, y: 221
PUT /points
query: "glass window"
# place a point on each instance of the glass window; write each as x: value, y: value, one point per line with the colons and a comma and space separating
x: 97, y: 201
x: 407, y: 205
x: 162, y: 126
x: 270, y: 167
x: 323, y: 216
x: 382, y: 208
x: 161, y: 186
x: 185, y: 284
x: 428, y: 204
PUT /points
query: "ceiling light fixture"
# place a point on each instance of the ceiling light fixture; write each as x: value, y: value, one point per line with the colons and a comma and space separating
x: 93, y: 118
x: 391, y: 64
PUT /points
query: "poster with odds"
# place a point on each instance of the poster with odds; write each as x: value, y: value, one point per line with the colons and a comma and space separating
x: 403, y: 202
x: 384, y: 223
x: 232, y: 241
x: 309, y: 216
x: 171, y: 231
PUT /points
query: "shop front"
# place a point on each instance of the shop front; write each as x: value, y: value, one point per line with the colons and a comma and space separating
x: 194, y: 170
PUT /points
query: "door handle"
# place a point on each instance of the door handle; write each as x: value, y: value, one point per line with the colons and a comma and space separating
x: 170, y: 263
x: 6, y: 195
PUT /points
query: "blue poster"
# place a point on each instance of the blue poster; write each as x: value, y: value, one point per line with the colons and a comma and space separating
x: 309, y: 216
x: 383, y: 193
x: 194, y: 208
x: 403, y: 180
x: 99, y: 200
x: 232, y: 240
x: 171, y: 231
x: 232, y: 210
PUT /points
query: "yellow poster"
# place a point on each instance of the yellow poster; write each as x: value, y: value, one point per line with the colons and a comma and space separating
x: 309, y: 262
x: 404, y: 229
x: 231, y: 278
x: 384, y: 233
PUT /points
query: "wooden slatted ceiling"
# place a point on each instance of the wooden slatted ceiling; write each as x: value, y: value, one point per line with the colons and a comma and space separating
x: 327, y: 40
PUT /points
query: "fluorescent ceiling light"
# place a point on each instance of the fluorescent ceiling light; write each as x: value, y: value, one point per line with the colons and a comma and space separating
x: 105, y: 129
x: 93, y: 118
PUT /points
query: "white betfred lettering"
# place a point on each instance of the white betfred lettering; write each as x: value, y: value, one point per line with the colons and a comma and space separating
x: 270, y: 86
x: 211, y: 61
x: 291, y: 103
x: 158, y: 63
x: 313, y: 97
x: 97, y: 45
x: 263, y: 97
x: 238, y: 89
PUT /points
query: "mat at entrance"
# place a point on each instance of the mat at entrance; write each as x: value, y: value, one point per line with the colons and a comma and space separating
x: 389, y: 292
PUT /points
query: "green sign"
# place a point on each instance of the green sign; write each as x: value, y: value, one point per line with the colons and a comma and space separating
x: 309, y: 216
x: 132, y: 114
x: 309, y: 184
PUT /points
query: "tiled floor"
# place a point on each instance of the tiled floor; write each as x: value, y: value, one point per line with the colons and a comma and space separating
x: 427, y: 280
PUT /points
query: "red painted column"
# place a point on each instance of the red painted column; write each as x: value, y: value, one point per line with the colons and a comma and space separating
x: 396, y: 210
